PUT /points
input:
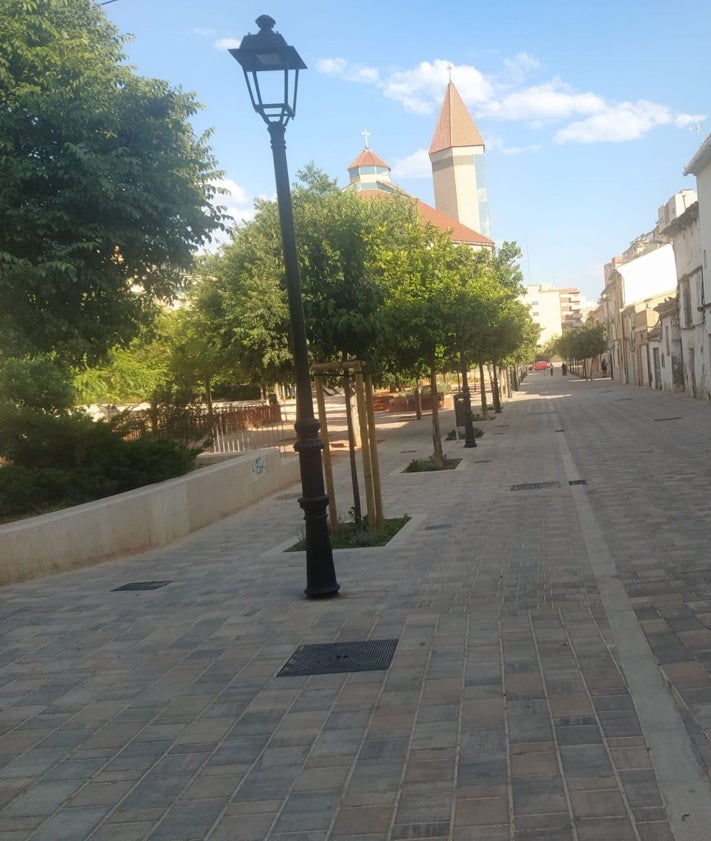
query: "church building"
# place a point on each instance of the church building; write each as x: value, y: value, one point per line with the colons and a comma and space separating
x: 458, y: 174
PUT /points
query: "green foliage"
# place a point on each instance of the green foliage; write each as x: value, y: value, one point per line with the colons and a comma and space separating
x: 427, y: 465
x: 60, y: 460
x: 351, y: 535
x: 105, y: 191
x: 39, y: 382
x: 583, y: 343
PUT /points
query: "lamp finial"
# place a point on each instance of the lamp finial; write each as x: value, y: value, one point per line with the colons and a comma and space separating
x: 265, y: 22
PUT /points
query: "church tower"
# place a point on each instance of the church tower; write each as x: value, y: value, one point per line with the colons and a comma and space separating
x: 458, y: 165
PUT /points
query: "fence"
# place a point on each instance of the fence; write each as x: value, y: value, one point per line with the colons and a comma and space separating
x: 230, y: 428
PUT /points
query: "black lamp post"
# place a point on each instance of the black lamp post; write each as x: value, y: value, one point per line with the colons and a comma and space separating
x: 271, y: 70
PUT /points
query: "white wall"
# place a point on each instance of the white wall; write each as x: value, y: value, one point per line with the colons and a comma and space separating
x: 141, y: 519
x: 652, y: 274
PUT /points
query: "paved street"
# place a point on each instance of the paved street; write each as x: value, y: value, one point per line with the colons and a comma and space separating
x: 551, y: 602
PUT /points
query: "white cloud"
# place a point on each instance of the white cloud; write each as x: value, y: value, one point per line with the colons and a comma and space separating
x: 227, y: 43
x: 416, y: 165
x: 331, y: 66
x: 516, y: 69
x: 581, y: 116
x: 420, y: 89
x: 553, y: 100
x: 496, y: 143
x: 618, y: 123
x: 237, y: 203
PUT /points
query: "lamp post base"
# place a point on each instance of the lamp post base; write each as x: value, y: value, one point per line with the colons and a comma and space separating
x: 321, y: 580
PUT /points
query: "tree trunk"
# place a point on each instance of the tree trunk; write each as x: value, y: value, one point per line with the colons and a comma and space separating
x: 469, y: 436
x: 484, y: 407
x: 357, y: 514
x: 418, y: 400
x: 496, y: 394
x: 210, y: 408
x: 438, y: 456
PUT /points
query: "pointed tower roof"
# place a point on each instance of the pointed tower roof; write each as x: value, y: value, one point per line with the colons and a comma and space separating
x: 367, y: 158
x: 455, y: 126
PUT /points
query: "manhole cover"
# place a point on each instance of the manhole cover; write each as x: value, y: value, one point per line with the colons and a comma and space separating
x: 660, y: 420
x: 141, y: 585
x: 332, y: 658
x: 578, y: 482
x: 437, y: 526
x: 534, y: 486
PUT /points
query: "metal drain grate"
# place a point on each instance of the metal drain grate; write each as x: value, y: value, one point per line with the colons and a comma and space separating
x: 534, y: 486
x: 560, y: 430
x: 333, y: 658
x: 578, y: 482
x: 483, y: 461
x: 437, y: 526
x: 141, y: 585
x: 660, y: 420
x: 408, y: 451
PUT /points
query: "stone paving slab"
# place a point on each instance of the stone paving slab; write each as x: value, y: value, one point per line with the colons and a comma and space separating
x: 506, y: 712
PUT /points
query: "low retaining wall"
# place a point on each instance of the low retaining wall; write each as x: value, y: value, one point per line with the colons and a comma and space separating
x: 141, y: 519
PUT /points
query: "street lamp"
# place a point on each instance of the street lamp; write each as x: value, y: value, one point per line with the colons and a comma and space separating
x: 271, y: 70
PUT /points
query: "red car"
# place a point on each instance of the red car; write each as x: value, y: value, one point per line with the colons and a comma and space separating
x: 540, y: 366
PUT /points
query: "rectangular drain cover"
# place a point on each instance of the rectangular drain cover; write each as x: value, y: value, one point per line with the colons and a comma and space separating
x: 438, y: 526
x: 659, y: 420
x: 335, y: 657
x: 578, y: 482
x: 534, y: 486
x: 141, y: 585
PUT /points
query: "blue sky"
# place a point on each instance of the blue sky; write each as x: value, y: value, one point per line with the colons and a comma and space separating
x: 589, y: 111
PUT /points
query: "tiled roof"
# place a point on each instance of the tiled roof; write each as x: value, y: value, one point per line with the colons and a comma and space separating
x: 455, y: 126
x: 367, y: 158
x: 459, y: 232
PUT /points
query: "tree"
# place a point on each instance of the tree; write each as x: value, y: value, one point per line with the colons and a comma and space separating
x: 105, y: 191
x: 423, y: 268
x: 584, y: 343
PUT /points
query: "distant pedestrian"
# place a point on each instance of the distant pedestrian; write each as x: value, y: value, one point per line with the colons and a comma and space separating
x: 564, y: 369
x: 604, y: 368
x: 551, y: 369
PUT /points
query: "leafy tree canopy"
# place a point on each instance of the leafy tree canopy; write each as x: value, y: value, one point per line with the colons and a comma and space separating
x: 105, y: 191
